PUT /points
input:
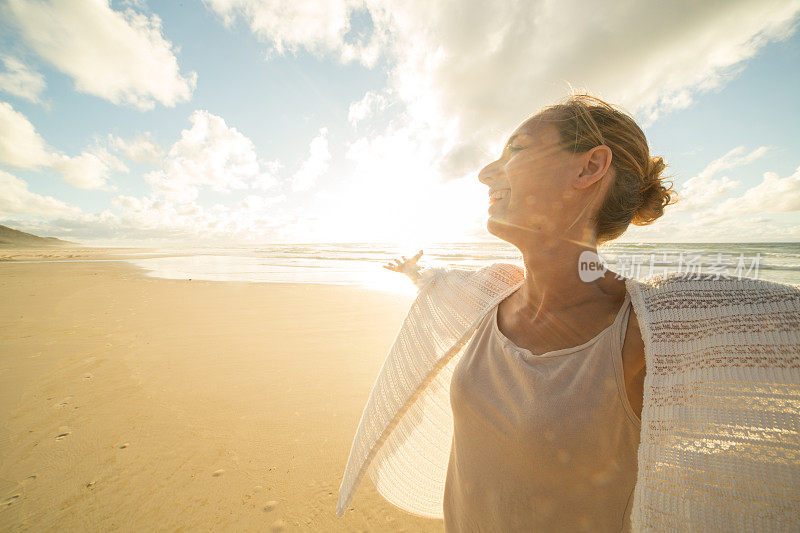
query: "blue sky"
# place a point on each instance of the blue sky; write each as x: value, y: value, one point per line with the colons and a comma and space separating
x: 243, y: 121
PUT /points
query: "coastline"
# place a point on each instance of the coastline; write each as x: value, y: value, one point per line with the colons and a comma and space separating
x: 146, y: 403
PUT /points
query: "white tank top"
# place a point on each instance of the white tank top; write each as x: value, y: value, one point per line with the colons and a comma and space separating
x: 541, y: 442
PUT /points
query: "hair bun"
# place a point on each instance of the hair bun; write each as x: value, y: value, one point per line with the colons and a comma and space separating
x: 654, y: 195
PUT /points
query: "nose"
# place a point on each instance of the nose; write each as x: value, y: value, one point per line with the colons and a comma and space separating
x: 487, y: 173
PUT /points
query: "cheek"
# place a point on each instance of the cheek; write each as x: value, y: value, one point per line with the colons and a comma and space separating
x: 522, y: 169
x: 537, y: 191
x: 524, y: 183
x: 538, y: 198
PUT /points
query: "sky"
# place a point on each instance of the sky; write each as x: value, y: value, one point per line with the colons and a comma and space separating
x: 237, y: 122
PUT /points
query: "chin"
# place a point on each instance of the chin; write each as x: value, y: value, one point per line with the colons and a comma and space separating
x: 513, y: 234
x: 497, y: 227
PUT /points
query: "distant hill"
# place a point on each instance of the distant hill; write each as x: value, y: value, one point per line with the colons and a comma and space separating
x: 11, y: 238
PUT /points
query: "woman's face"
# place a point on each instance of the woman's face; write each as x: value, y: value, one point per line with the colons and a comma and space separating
x: 537, y: 177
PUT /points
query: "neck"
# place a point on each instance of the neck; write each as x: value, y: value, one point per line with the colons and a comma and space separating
x: 553, y: 281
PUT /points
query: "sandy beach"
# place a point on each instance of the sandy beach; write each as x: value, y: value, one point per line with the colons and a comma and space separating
x: 137, y: 403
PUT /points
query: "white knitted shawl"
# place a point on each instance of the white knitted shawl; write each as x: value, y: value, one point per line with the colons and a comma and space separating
x: 720, y: 437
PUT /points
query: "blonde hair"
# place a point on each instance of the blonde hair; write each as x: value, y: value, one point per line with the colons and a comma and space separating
x: 638, y: 195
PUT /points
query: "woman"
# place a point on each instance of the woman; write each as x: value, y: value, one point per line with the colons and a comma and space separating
x: 544, y: 368
x: 549, y: 197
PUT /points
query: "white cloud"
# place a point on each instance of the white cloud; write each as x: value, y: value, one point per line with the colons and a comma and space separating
x: 254, y: 202
x: 773, y: 195
x: 119, y: 56
x: 734, y: 159
x: 289, y: 25
x: 267, y: 180
x: 467, y: 72
x: 21, y: 80
x: 717, y: 209
x: 18, y: 200
x: 20, y: 145
x: 704, y: 190
x: 370, y: 104
x: 90, y: 170
x: 476, y: 69
x: 487, y: 82
x: 315, y: 165
x: 744, y: 228
x: 209, y: 154
x: 250, y: 219
x: 141, y: 148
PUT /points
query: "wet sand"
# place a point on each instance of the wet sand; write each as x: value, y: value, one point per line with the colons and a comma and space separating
x: 136, y: 403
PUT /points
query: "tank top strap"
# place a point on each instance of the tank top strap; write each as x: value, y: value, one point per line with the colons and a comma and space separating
x: 621, y: 328
x: 621, y: 322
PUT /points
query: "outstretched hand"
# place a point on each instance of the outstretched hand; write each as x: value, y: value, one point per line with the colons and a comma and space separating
x: 408, y: 266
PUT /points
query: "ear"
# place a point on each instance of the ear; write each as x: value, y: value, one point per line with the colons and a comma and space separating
x: 596, y: 163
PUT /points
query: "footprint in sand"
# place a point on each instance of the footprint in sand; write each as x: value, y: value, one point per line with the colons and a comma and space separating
x: 63, y: 403
x: 8, y: 501
x: 218, y: 473
x: 270, y: 505
x: 250, y: 494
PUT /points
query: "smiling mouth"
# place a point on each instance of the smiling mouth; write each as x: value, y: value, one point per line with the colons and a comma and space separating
x: 499, y: 194
x: 493, y: 203
x: 493, y: 200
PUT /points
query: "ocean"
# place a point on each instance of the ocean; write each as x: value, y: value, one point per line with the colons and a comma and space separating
x: 361, y: 264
